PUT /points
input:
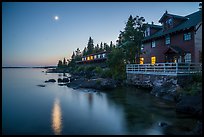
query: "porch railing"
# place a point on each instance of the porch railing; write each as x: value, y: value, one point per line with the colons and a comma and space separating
x: 165, y: 68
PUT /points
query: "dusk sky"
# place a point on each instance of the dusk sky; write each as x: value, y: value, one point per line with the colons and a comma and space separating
x: 31, y: 36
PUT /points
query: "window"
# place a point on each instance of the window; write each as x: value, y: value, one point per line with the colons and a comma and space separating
x: 147, y: 32
x: 141, y: 60
x: 179, y: 59
x: 167, y: 40
x: 82, y: 59
x: 91, y: 57
x: 169, y: 23
x: 95, y: 56
x: 88, y: 58
x: 153, y: 44
x: 187, y: 58
x: 142, y: 47
x: 99, y: 56
x: 104, y: 55
x: 153, y: 60
x: 187, y: 36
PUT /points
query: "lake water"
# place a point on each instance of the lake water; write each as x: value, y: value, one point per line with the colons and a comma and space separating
x: 53, y: 109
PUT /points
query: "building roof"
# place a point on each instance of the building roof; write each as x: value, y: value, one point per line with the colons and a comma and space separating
x: 176, y: 49
x: 95, y: 53
x: 172, y: 15
x: 193, y: 20
x: 153, y: 26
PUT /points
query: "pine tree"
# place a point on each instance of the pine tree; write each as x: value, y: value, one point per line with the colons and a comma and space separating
x: 73, y: 55
x: 90, y: 46
x: 111, y: 46
x: 85, y: 51
x: 101, y: 47
x: 130, y: 38
x: 78, y: 52
x: 97, y: 48
x: 59, y: 63
x: 64, y: 62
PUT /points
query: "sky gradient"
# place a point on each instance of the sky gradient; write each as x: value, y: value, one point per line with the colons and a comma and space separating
x: 31, y: 36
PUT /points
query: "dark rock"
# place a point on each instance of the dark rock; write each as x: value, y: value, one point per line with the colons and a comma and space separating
x: 64, y: 80
x: 59, y: 80
x: 108, y: 84
x: 162, y: 124
x: 197, y: 130
x: 50, y: 80
x: 41, y: 85
x: 190, y: 105
x: 99, y: 83
x: 62, y: 84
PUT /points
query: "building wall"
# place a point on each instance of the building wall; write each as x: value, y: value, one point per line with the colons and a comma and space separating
x: 153, y: 30
x: 156, y: 51
x: 198, y: 43
x: 177, y: 39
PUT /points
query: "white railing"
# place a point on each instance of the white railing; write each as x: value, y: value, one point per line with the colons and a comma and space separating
x: 165, y: 68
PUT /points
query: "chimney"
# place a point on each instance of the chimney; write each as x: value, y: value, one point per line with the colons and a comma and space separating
x: 152, y: 23
x: 166, y: 12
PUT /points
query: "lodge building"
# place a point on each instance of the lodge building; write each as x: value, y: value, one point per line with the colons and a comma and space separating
x: 93, y: 58
x: 178, y: 39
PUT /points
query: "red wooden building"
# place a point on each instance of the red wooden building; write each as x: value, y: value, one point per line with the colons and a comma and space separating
x: 94, y: 58
x: 178, y: 39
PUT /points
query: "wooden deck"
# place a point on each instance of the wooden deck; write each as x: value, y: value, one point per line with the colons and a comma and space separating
x: 165, y: 68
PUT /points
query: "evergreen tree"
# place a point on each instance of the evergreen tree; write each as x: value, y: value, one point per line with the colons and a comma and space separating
x: 116, y: 64
x: 78, y: 55
x: 97, y: 48
x: 64, y: 62
x: 101, y: 47
x: 90, y: 46
x: 130, y: 39
x: 78, y: 52
x: 73, y: 55
x: 105, y: 46
x: 85, y: 51
x: 111, y: 46
x: 59, y: 63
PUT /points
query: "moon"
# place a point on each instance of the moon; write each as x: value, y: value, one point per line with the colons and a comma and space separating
x: 56, y: 18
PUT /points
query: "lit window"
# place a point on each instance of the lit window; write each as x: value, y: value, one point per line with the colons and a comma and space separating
x: 82, y: 59
x: 187, y: 58
x: 167, y: 40
x: 103, y: 55
x: 95, y: 56
x: 141, y: 60
x: 91, y: 57
x: 153, y: 60
x: 153, y: 44
x: 187, y: 36
x: 88, y: 58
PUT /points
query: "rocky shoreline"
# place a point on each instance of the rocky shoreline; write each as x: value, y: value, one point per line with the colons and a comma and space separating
x: 168, y: 90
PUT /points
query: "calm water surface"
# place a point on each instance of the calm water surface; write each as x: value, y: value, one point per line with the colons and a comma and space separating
x: 29, y: 109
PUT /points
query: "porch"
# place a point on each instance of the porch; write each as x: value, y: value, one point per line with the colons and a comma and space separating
x: 172, y: 69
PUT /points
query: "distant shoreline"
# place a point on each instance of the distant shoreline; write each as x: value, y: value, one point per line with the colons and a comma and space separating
x: 45, y: 67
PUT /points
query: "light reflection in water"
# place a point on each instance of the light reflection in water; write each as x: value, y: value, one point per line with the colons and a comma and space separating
x: 56, y: 118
